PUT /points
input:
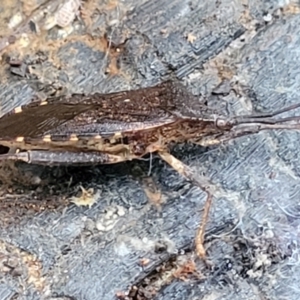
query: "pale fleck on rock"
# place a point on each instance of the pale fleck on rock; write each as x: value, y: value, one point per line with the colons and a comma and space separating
x: 144, y: 262
x: 121, y: 211
x: 105, y: 225
x: 263, y: 260
x: 191, y: 38
x: 63, y: 33
x: 268, y: 17
x: 87, y: 198
x: 15, y: 20
x: 24, y: 41
x: 110, y: 218
x: 254, y: 274
x: 64, y: 15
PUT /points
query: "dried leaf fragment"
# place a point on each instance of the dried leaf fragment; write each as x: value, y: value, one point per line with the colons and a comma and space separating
x: 87, y: 198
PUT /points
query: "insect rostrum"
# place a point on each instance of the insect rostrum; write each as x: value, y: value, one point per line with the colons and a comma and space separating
x: 116, y: 127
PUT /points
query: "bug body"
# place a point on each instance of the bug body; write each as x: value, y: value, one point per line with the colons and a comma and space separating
x: 116, y: 127
x: 125, y: 124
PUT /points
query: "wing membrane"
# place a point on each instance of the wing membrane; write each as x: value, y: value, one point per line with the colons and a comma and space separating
x: 36, y: 120
x: 143, y: 105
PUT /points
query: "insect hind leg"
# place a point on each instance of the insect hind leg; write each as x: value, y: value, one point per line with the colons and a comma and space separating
x: 204, y: 184
x: 59, y: 158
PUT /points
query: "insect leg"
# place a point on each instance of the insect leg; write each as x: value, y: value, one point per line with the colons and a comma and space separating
x: 53, y: 158
x: 230, y: 135
x: 204, y: 184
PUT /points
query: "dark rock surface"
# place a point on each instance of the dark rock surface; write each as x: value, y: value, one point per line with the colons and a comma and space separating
x: 253, y: 232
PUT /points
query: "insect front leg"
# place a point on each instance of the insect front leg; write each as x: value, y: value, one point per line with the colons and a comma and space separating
x: 58, y: 158
x: 230, y: 135
x: 204, y: 184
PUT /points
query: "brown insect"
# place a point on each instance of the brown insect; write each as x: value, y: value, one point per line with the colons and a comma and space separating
x: 116, y: 127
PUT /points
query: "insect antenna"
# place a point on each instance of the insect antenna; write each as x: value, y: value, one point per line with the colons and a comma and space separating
x: 276, y: 112
x: 268, y: 119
